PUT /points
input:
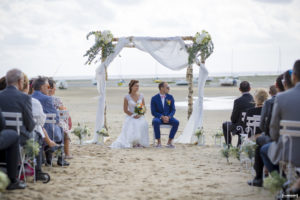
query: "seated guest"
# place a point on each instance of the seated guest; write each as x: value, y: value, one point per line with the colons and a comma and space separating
x: 265, y: 137
x: 13, y: 100
x: 2, y: 83
x: 287, y: 80
x: 241, y: 104
x: 260, y: 97
x: 267, y: 110
x: 41, y: 90
x: 9, y: 153
x: 41, y: 135
x: 286, y: 107
x: 63, y: 123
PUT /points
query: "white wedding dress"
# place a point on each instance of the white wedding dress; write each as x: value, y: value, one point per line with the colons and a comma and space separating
x: 134, y: 131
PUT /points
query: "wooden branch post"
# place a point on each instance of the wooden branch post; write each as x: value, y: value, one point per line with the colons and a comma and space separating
x: 189, y: 78
x: 105, y: 118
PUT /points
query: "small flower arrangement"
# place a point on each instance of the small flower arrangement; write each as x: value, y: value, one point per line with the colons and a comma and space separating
x: 103, y: 132
x: 140, y: 109
x: 4, y: 182
x: 248, y: 147
x: 219, y: 134
x: 235, y: 152
x: 225, y: 153
x: 81, y: 132
x: 202, y: 46
x: 32, y: 148
x: 274, y: 182
x: 199, y: 131
x: 103, y: 44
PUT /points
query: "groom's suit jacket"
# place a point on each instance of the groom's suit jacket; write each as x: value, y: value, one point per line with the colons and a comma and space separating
x: 157, y: 108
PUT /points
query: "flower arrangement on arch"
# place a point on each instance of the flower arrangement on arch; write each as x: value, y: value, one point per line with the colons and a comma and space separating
x: 103, y: 44
x: 202, y: 47
x: 140, y: 109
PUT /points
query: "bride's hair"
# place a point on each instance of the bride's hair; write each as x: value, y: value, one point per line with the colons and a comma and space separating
x: 131, y: 84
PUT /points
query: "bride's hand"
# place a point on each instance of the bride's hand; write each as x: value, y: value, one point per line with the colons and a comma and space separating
x: 137, y: 116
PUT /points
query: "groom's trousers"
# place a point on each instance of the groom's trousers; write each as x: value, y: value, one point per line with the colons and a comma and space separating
x: 156, y: 122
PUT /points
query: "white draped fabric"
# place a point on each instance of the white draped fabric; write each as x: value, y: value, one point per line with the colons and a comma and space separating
x: 170, y: 52
x: 196, y: 119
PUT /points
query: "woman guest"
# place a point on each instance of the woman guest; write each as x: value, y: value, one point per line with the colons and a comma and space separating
x: 260, y: 97
x: 65, y: 124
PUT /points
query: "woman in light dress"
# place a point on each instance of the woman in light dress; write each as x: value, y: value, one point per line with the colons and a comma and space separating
x: 135, y: 128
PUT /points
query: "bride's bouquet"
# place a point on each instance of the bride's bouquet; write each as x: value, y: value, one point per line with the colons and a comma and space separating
x: 140, y: 109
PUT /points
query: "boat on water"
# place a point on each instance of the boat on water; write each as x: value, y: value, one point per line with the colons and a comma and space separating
x: 121, y: 82
x: 157, y: 80
x: 181, y: 82
x: 227, y: 81
x: 62, y: 84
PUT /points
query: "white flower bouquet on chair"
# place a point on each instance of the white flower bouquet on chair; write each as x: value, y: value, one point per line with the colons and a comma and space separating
x: 81, y: 132
x: 102, y: 133
x: 200, y: 135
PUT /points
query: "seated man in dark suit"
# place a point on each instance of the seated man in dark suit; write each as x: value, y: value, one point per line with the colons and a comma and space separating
x: 13, y: 100
x: 241, y: 104
x: 41, y: 87
x: 266, y: 115
x: 9, y: 153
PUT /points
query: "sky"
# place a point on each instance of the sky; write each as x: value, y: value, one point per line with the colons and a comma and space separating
x: 48, y: 37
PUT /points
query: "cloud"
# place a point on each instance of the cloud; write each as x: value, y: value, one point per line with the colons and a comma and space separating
x: 275, y: 1
x: 51, y: 33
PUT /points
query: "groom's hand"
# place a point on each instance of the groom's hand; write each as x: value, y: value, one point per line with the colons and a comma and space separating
x: 165, y: 119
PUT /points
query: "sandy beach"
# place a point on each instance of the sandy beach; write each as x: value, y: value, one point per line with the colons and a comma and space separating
x: 186, y: 172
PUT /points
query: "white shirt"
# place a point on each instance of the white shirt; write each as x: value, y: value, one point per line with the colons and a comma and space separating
x: 163, y: 97
x: 38, y: 115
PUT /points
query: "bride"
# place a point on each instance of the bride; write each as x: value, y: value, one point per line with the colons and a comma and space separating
x: 135, y: 128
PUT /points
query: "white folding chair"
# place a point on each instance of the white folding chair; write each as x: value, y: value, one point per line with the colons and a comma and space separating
x: 252, y: 124
x: 14, y: 119
x: 162, y: 126
x: 51, y: 119
x: 240, y: 127
x: 289, y: 130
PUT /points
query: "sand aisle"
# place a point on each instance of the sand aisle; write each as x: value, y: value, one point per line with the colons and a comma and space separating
x: 187, y: 172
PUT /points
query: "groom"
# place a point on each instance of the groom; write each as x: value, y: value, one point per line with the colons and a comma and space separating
x: 163, y: 110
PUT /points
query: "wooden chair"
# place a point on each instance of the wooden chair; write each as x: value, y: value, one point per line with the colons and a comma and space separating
x: 162, y: 126
x: 14, y: 119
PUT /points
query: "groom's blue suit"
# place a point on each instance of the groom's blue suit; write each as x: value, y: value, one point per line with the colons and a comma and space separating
x: 158, y: 110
